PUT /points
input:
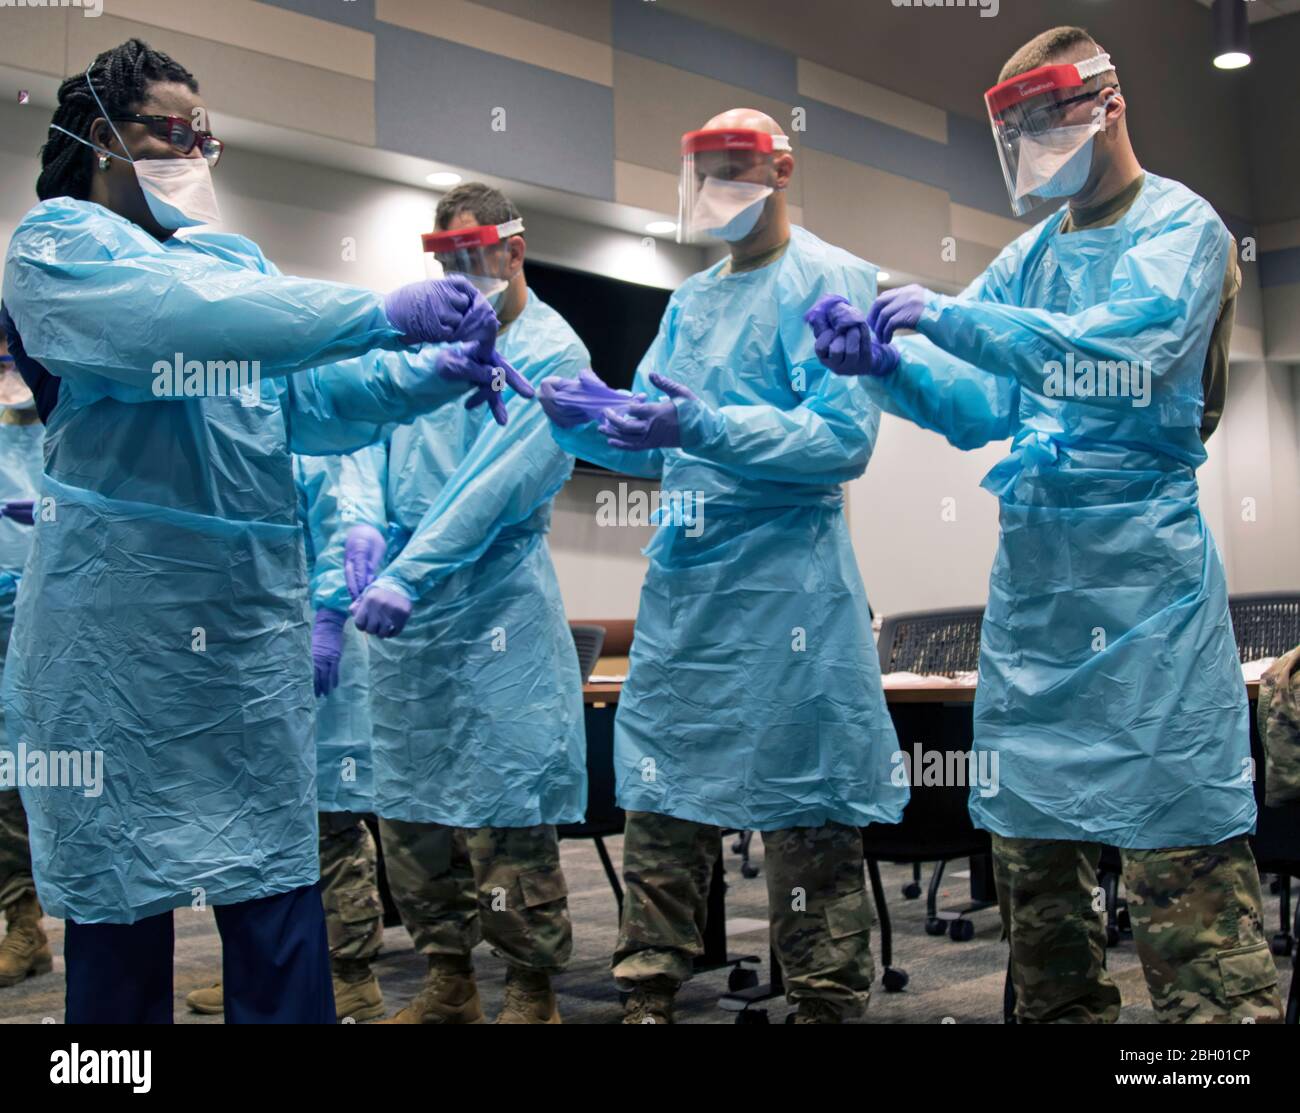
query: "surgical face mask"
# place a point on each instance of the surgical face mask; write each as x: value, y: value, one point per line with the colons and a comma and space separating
x: 492, y: 288
x: 1056, y: 163
x: 729, y: 210
x: 178, y: 191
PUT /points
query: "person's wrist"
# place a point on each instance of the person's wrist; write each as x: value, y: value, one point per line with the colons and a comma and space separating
x: 698, y: 423
x: 327, y: 616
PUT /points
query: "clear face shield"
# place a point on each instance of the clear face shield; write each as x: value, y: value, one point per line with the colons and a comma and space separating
x: 1043, y: 128
x: 480, y: 253
x: 727, y: 177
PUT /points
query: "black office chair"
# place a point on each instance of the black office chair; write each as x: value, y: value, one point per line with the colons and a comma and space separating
x: 589, y: 641
x: 1268, y: 625
x: 936, y: 825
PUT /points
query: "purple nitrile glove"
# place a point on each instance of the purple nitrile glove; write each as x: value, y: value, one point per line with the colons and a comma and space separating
x: 363, y: 552
x: 897, y: 309
x: 381, y: 612
x: 326, y: 649
x: 435, y: 310
x: 20, y: 510
x: 573, y: 402
x: 825, y: 312
x: 852, y: 350
x: 504, y: 376
x: 648, y: 425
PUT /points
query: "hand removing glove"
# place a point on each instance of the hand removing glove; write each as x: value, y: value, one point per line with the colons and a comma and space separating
x: 648, y: 425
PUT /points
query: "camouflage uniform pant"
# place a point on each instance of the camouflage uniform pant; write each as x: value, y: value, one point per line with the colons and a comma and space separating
x: 1197, y: 921
x: 349, y: 884
x: 819, y: 907
x: 454, y: 887
x: 15, y: 850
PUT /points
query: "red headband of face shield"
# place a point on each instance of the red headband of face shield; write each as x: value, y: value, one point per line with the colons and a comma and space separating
x: 474, y: 252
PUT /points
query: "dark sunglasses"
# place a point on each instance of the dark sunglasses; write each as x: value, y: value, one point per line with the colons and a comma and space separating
x: 177, y: 131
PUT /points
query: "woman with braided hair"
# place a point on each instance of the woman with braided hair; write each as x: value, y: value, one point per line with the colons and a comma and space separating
x: 160, y: 625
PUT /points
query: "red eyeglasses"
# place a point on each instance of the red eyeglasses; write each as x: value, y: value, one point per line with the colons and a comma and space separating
x: 177, y: 131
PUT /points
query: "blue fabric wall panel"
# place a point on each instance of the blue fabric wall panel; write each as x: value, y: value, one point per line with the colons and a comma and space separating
x: 870, y: 143
x: 353, y: 13
x: 435, y: 99
x: 654, y: 32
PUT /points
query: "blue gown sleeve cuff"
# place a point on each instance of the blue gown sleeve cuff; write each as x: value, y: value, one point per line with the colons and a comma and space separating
x: 700, y: 424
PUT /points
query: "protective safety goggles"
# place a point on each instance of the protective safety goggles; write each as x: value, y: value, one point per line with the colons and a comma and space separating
x: 1027, y: 114
x: 479, y: 253
x: 726, y: 174
x: 177, y: 131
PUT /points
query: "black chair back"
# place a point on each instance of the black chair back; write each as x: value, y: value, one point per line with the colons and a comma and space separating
x: 1265, y: 624
x: 932, y: 643
x: 589, y: 640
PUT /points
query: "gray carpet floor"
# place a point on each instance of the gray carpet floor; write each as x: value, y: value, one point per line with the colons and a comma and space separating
x: 961, y: 981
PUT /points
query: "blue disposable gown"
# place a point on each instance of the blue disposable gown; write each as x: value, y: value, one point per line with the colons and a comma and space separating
x: 1109, y: 690
x: 162, y: 616
x: 343, y: 733
x: 477, y: 704
x: 753, y: 698
x: 21, y: 461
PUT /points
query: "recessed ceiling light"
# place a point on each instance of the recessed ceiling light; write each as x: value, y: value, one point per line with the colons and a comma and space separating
x: 660, y: 227
x: 443, y: 179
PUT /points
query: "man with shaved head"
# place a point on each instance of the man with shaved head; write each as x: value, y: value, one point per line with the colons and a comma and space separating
x: 753, y: 698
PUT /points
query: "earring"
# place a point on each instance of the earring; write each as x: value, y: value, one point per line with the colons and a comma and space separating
x: 103, y: 162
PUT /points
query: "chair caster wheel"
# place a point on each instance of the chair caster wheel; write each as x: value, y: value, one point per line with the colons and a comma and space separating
x: 1281, y: 944
x: 752, y: 1016
x: 748, y: 871
x: 912, y: 890
x: 935, y: 927
x: 894, y: 981
x: 741, y: 978
x: 961, y: 931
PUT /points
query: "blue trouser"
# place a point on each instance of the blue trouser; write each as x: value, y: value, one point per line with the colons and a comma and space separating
x: 275, y: 965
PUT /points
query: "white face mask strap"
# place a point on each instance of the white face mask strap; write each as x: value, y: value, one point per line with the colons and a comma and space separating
x: 107, y: 117
x: 89, y: 143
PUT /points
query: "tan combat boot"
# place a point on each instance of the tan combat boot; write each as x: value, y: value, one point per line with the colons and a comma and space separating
x: 649, y: 1004
x: 25, y: 951
x: 357, y: 995
x: 529, y: 998
x: 209, y: 1001
x: 449, y: 996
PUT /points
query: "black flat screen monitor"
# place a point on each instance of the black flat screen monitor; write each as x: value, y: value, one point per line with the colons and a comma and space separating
x: 617, y: 320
